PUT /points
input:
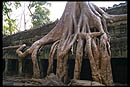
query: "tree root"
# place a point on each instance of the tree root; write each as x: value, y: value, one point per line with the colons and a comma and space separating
x: 80, y: 23
x: 51, y: 56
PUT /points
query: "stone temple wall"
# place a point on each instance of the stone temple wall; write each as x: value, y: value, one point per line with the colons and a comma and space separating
x: 118, y: 32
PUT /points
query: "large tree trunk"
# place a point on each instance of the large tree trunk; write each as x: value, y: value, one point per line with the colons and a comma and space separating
x: 85, y: 24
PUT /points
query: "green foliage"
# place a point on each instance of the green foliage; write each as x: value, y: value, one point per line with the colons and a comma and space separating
x: 17, y: 4
x: 39, y: 16
x: 10, y: 26
x: 6, y: 10
x: 41, y: 13
x: 7, y: 6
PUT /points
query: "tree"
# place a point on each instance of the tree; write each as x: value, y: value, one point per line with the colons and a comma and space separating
x: 41, y: 13
x: 11, y: 26
x: 85, y: 26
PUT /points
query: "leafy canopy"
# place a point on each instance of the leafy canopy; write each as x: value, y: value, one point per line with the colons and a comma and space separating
x: 10, y: 26
x: 39, y: 17
x: 41, y: 13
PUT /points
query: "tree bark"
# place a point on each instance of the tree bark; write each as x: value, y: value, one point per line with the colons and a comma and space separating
x: 11, y: 47
x: 80, y: 23
x: 51, y: 57
x: 20, y: 67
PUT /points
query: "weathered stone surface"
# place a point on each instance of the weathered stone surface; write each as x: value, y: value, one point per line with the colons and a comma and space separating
x: 118, y: 32
x: 50, y: 80
x: 118, y: 9
x: 27, y: 36
x: 85, y: 83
